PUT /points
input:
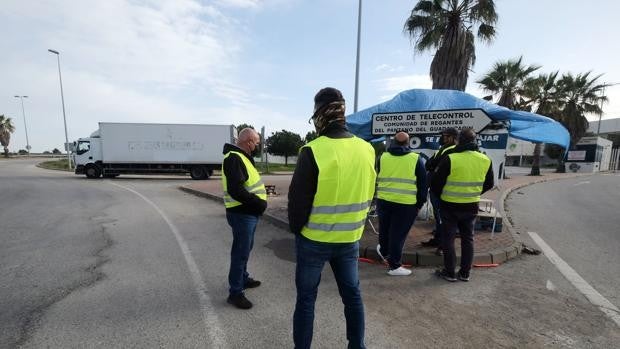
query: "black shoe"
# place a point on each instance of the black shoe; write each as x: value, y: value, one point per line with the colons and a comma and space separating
x: 463, y: 276
x: 239, y: 301
x: 251, y: 283
x: 443, y: 273
x: 431, y: 243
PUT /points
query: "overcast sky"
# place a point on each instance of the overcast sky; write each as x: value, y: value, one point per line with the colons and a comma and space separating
x: 254, y: 61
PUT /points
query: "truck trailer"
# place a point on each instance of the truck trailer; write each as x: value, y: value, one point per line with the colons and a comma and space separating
x: 140, y: 148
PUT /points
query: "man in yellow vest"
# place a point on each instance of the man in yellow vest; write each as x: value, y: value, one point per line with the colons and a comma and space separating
x: 245, y: 199
x: 328, y: 200
x: 459, y: 180
x: 401, y: 192
x: 447, y: 142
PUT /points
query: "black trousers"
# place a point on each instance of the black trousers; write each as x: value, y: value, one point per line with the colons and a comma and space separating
x: 463, y: 221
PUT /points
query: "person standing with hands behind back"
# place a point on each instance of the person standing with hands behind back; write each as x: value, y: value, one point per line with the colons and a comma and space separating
x: 245, y: 199
x: 447, y: 142
x: 460, y: 179
x: 401, y: 192
x: 328, y: 200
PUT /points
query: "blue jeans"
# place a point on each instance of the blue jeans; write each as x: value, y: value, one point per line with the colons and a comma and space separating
x: 395, y: 221
x: 311, y: 257
x: 243, y: 227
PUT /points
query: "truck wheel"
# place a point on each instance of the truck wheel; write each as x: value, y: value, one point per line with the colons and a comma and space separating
x: 198, y: 172
x: 92, y: 171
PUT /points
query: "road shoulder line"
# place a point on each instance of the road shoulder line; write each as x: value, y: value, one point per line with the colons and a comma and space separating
x: 213, y: 328
x: 580, y: 284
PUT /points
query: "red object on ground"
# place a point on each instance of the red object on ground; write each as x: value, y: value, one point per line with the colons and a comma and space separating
x: 490, y: 265
x: 366, y: 260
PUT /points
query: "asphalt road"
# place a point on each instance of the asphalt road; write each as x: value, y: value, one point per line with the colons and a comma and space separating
x: 579, y: 219
x: 135, y: 262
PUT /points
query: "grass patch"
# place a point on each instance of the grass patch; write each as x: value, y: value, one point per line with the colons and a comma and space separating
x: 60, y: 165
x: 262, y: 167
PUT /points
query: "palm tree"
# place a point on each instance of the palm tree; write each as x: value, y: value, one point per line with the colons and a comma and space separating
x: 507, y: 80
x: 446, y: 26
x: 579, y: 95
x: 542, y: 92
x: 6, y: 128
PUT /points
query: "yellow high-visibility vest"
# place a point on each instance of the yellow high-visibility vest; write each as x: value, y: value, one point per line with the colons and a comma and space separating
x: 253, y: 184
x: 396, y: 181
x: 345, y: 188
x: 441, y: 151
x: 468, y: 171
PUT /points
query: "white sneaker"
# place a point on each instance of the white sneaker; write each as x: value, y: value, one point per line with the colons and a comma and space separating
x: 379, y: 253
x: 400, y: 271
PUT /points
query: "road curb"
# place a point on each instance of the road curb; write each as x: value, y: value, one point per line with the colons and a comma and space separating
x: 427, y: 258
x: 268, y: 217
x: 430, y: 259
x: 507, y: 222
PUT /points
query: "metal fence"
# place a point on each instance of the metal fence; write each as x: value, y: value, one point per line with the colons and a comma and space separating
x: 614, y: 164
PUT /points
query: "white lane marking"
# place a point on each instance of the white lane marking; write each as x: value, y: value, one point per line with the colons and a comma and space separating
x: 582, y: 285
x: 582, y: 182
x: 551, y: 286
x: 213, y: 329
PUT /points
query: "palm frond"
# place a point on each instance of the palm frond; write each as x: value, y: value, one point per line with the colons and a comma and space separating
x: 486, y: 32
x: 446, y: 26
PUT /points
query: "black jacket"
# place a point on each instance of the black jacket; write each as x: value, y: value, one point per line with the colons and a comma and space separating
x: 305, y: 181
x: 420, y: 174
x: 433, y: 161
x: 236, y: 175
x: 438, y: 180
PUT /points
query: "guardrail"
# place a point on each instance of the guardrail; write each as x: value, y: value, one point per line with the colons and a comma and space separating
x: 63, y: 156
x: 614, y: 164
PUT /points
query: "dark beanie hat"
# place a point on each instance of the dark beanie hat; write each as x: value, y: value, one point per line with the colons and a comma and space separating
x: 326, y: 96
x: 450, y: 131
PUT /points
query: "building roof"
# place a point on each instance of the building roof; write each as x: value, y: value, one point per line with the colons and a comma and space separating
x: 607, y: 126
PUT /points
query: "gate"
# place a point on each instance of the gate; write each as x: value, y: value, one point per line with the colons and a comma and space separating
x: 614, y: 164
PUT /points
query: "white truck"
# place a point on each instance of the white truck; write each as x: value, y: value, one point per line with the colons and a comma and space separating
x: 134, y: 148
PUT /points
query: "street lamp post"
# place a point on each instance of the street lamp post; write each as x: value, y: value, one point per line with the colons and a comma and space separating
x: 25, y: 126
x: 600, y: 117
x: 357, y: 57
x: 62, y: 98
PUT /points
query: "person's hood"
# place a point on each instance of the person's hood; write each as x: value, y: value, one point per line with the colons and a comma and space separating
x: 336, y: 130
x: 231, y: 147
x: 466, y: 146
x: 399, y: 150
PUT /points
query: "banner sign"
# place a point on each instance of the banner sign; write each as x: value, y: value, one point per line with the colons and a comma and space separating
x: 428, y: 122
x: 576, y: 155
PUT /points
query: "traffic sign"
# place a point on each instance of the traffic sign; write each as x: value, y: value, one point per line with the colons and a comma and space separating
x: 429, y: 122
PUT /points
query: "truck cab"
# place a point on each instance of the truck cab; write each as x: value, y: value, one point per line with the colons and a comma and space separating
x: 87, y: 156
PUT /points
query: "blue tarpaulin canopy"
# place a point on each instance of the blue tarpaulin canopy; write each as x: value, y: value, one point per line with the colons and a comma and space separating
x: 523, y: 125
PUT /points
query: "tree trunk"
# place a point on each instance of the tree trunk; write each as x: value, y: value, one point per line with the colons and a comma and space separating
x: 6, y: 152
x: 536, y: 160
x: 285, y: 160
x: 561, y: 168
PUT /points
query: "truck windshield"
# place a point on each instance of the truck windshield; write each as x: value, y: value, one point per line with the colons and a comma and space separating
x: 83, y: 147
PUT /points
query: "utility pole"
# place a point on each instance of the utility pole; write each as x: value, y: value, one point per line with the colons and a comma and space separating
x: 357, y: 57
x: 25, y: 126
x: 64, y: 115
